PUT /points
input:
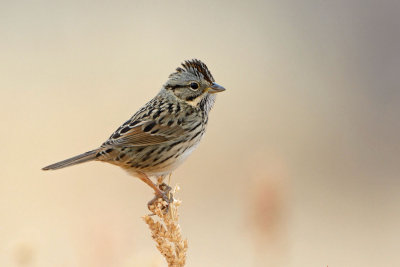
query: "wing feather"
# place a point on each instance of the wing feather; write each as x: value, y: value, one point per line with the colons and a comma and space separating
x: 140, y: 135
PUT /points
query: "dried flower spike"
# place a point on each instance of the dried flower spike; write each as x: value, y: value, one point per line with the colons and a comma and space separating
x: 166, y: 232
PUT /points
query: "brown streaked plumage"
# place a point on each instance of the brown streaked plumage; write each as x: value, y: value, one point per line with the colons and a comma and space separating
x: 160, y: 136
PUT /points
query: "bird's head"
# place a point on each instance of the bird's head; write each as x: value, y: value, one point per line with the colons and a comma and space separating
x: 193, y: 83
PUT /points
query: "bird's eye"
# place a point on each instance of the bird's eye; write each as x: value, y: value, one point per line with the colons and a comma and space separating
x: 194, y: 85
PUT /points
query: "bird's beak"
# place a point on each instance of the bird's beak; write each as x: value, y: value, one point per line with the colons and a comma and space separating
x: 215, y: 88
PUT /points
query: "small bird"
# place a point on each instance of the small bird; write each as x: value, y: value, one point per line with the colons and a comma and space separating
x: 164, y: 132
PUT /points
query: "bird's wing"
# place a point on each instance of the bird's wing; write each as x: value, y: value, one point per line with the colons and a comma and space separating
x: 144, y: 133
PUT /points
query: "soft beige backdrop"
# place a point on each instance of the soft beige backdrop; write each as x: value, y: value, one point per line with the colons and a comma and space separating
x: 301, y: 162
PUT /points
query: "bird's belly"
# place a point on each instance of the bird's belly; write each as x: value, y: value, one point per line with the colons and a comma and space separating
x: 156, y: 164
x: 171, y: 164
x: 179, y: 160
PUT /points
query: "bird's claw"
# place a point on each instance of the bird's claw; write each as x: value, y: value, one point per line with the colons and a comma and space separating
x: 165, y: 195
x: 165, y: 188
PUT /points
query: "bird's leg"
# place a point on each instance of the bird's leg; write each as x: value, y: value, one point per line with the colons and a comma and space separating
x: 159, y: 193
x: 163, y: 186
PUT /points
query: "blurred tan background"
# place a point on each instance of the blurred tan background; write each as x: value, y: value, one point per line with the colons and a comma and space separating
x: 301, y: 162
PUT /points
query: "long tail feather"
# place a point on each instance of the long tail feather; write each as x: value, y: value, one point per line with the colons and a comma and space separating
x: 88, y: 156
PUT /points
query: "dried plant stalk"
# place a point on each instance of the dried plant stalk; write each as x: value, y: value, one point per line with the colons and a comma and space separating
x: 166, y: 232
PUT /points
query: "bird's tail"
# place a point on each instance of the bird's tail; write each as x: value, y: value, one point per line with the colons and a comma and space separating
x: 88, y: 156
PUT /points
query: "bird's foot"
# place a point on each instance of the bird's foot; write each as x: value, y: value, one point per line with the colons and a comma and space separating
x: 164, y: 195
x: 165, y: 188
